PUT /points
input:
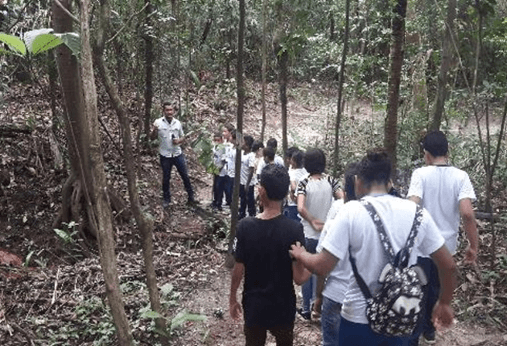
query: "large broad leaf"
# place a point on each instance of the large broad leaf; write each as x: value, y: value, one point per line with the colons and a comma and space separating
x: 41, y: 40
x: 14, y: 43
x: 184, y: 316
x: 71, y: 40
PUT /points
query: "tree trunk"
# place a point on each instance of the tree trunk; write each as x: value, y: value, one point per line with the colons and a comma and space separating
x: 396, y: 57
x: 445, y: 63
x: 283, y: 61
x: 239, y: 129
x: 102, y: 216
x: 340, y: 90
x: 144, y: 223
x: 148, y: 60
x: 263, y: 69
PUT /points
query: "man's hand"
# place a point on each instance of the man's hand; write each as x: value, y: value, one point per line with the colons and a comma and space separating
x: 443, y: 316
x: 471, y: 256
x: 235, y: 309
x: 296, y: 250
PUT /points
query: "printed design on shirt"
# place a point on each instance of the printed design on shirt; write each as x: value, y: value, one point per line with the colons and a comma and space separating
x: 303, y: 184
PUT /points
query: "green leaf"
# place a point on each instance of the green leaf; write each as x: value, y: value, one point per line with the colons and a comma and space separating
x: 166, y: 289
x: 184, y: 316
x: 62, y: 234
x: 151, y: 314
x: 41, y: 40
x: 14, y: 43
x: 71, y: 40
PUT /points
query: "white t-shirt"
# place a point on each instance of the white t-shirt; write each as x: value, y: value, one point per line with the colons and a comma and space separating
x: 262, y: 164
x: 219, y: 151
x: 440, y: 189
x: 166, y: 133
x: 230, y: 159
x: 354, y: 230
x: 296, y: 175
x: 319, y: 196
x: 247, y: 163
x: 339, y: 278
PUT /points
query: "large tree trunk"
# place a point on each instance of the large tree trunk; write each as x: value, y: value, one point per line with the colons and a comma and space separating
x: 143, y: 222
x: 98, y: 187
x: 239, y: 129
x: 445, y: 64
x: 396, y: 56
x: 148, y: 60
x: 340, y: 90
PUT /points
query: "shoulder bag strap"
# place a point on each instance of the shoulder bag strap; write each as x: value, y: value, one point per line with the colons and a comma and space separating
x: 384, y: 238
x: 359, y: 279
x: 405, y: 254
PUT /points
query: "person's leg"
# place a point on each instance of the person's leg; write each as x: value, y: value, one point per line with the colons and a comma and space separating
x: 330, y: 321
x: 216, y: 197
x: 167, y: 164
x: 181, y: 166
x: 255, y: 336
x: 229, y: 184
x: 251, y: 201
x: 308, y: 287
x: 221, y: 190
x: 242, y: 200
x: 284, y: 335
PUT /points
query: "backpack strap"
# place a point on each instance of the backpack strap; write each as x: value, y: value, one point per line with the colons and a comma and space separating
x: 360, y: 282
x: 384, y: 238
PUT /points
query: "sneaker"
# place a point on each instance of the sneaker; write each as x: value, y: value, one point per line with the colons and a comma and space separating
x: 429, y: 337
x: 305, y: 315
x: 166, y: 204
x: 192, y: 202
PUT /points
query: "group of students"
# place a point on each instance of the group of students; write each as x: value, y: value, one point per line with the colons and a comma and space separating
x: 338, y: 250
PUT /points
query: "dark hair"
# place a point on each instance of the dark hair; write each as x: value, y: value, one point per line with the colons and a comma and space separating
x: 174, y: 105
x: 230, y: 127
x: 233, y: 134
x: 315, y: 161
x: 290, y: 151
x: 350, y: 173
x: 248, y: 140
x: 257, y: 145
x: 217, y: 134
x: 298, y: 156
x: 275, y: 179
x: 272, y: 143
x: 375, y: 167
x: 436, y: 143
x: 269, y: 153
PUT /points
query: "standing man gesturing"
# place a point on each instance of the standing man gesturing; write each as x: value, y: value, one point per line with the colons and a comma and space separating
x: 171, y: 136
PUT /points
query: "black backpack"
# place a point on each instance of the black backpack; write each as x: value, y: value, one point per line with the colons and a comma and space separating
x: 396, y: 308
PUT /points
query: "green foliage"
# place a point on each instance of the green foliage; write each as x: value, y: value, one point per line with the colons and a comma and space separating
x: 15, y: 44
x: 39, y: 41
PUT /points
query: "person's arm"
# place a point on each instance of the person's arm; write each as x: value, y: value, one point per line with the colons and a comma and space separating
x: 305, y: 214
x: 415, y: 199
x: 249, y: 179
x: 292, y: 194
x: 154, y: 133
x: 321, y: 263
x: 468, y: 216
x: 234, y: 305
x: 443, y: 314
x: 319, y: 288
x: 299, y: 273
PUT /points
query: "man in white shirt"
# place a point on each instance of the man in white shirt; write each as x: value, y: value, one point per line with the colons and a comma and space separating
x: 171, y: 136
x: 447, y: 193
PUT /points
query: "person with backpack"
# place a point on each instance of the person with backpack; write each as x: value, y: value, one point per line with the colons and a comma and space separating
x: 314, y: 198
x: 383, y: 301
x: 447, y: 193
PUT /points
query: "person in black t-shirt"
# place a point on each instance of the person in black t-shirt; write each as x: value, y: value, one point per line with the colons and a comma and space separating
x: 261, y: 249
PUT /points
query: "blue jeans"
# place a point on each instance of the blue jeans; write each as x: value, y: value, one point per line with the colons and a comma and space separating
x: 229, y: 185
x: 246, y: 199
x: 218, y: 190
x: 291, y: 211
x: 330, y: 321
x: 357, y: 334
x: 308, y: 289
x: 167, y: 164
x: 431, y: 294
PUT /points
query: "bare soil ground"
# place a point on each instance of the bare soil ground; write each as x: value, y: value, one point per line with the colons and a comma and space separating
x: 58, y: 298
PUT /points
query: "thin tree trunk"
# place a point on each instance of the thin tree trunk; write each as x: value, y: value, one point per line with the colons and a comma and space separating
x: 143, y: 222
x: 99, y: 196
x: 283, y: 63
x: 148, y: 60
x: 445, y: 63
x: 263, y: 69
x: 239, y: 131
x: 396, y: 55
x: 340, y: 90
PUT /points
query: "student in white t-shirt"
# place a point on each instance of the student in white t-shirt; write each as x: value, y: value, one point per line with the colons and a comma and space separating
x: 247, y: 179
x: 353, y: 230
x: 297, y: 172
x: 272, y: 143
x: 447, y: 193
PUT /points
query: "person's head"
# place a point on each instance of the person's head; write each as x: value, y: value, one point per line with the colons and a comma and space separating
x: 435, y: 143
x: 227, y: 132
x: 247, y: 143
x: 274, y: 182
x: 374, y: 168
x: 269, y: 154
x: 169, y: 110
x: 297, y: 159
x: 350, y: 175
x: 288, y: 155
x: 272, y: 143
x: 233, y: 136
x: 315, y: 161
x: 217, y: 137
x: 257, y: 147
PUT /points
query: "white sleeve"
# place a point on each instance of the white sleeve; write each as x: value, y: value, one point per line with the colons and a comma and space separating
x: 415, y: 188
x: 467, y: 190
